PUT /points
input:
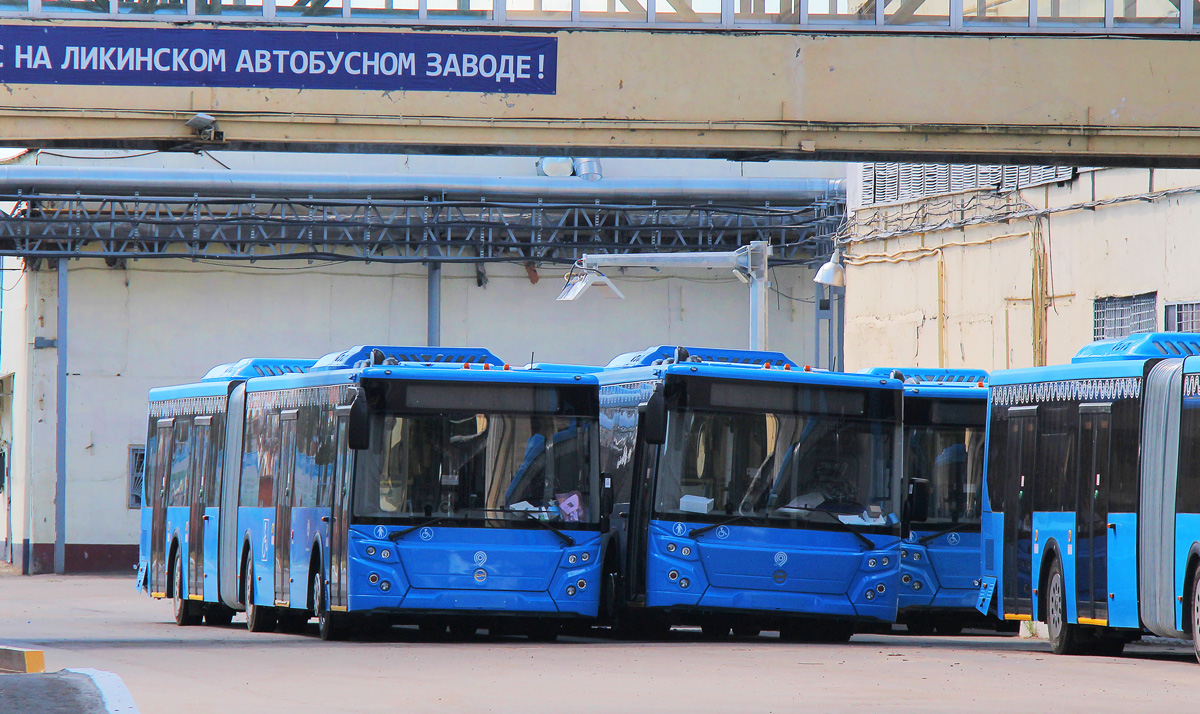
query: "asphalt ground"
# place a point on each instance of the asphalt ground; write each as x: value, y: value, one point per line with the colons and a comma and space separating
x: 102, y: 623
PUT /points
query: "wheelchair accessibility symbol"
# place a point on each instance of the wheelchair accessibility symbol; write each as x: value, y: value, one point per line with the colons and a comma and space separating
x: 780, y: 559
x: 380, y: 532
x: 953, y: 539
x: 722, y: 532
x: 678, y: 528
x: 426, y: 534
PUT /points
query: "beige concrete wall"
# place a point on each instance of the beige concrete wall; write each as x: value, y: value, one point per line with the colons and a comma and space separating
x: 1129, y: 247
x: 162, y: 322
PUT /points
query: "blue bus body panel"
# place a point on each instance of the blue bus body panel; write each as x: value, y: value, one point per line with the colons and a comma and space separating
x: 948, y: 569
x: 1122, y: 571
x: 435, y: 372
x: 211, y: 542
x: 992, y: 549
x: 202, y: 389
x: 1057, y: 528
x: 147, y: 519
x: 256, y: 524
x: 176, y: 531
x: 716, y: 355
x: 438, y: 568
x: 1097, y: 370
x: 307, y: 530
x: 771, y: 569
x: 1187, y: 534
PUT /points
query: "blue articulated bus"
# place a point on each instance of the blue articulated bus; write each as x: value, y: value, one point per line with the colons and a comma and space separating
x: 750, y: 494
x: 945, y: 418
x: 1091, y: 518
x: 436, y: 487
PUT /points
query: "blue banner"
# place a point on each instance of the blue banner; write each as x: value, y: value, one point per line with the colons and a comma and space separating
x: 279, y: 59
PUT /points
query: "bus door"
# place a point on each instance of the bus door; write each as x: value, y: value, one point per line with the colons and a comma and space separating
x: 637, y: 539
x: 283, y: 506
x: 198, y: 478
x: 1018, y: 516
x: 158, y: 491
x: 1091, y: 514
x: 339, y: 516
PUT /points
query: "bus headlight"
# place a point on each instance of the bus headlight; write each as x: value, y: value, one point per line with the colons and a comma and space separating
x: 570, y: 591
x: 870, y: 594
x: 684, y: 583
x: 906, y: 578
x: 916, y: 556
x: 673, y: 575
x: 385, y: 586
x: 370, y: 550
x: 871, y: 563
x: 584, y: 557
x: 685, y: 550
x: 572, y: 558
x: 373, y: 578
x: 881, y: 588
x: 917, y: 585
x: 385, y: 554
x: 670, y: 547
x: 581, y: 584
x: 885, y: 561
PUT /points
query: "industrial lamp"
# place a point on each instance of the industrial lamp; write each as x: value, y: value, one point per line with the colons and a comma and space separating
x: 577, y: 283
x: 832, y: 273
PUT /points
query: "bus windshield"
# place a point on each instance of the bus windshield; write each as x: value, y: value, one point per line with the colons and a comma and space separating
x: 483, y: 467
x: 951, y: 459
x: 785, y: 468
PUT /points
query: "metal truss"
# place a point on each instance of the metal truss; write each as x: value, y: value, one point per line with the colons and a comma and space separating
x: 399, y: 231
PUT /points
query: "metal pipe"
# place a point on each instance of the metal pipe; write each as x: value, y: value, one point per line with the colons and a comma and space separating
x: 60, y: 431
x: 434, y: 303
x: 233, y: 184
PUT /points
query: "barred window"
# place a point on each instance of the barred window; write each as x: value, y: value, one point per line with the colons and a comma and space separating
x: 1181, y: 317
x: 137, y: 474
x: 1121, y: 316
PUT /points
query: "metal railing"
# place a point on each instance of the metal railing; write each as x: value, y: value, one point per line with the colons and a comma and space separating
x: 1094, y: 17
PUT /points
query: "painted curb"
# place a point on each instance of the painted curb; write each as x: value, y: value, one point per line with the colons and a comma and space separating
x: 22, y: 661
x: 116, y: 696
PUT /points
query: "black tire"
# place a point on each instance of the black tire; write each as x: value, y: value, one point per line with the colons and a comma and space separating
x: 1064, y: 637
x: 920, y: 626
x: 715, y: 630
x: 794, y: 631
x: 432, y: 629
x: 258, y: 617
x: 218, y: 616
x: 186, y: 612
x: 330, y: 625
x: 1196, y: 613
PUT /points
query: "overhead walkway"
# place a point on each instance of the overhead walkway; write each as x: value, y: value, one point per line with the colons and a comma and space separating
x: 1085, y: 82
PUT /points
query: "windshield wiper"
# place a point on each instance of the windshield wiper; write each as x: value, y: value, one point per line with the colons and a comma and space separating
x: 705, y: 529
x: 400, y: 534
x: 844, y: 526
x: 544, y: 524
x: 956, y: 527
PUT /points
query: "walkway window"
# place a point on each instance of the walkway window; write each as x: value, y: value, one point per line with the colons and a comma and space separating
x: 1181, y: 317
x: 1117, y: 317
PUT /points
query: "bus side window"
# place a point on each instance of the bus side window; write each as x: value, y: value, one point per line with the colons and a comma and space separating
x: 177, y: 494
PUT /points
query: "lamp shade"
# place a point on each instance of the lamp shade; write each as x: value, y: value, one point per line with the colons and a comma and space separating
x: 833, y: 273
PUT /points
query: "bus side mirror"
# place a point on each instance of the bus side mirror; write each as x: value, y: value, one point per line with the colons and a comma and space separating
x: 918, y: 499
x: 606, y: 500
x: 654, y: 419
x: 358, y: 436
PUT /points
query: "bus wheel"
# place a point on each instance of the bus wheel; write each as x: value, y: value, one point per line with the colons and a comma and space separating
x: 715, y: 630
x: 330, y: 625
x: 258, y: 618
x: 920, y: 625
x: 1064, y: 637
x: 1196, y: 613
x: 185, y: 611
